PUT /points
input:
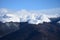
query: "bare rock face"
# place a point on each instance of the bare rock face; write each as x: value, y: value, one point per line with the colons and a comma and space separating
x: 25, y: 31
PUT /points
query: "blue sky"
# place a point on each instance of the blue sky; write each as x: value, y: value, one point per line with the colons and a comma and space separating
x: 29, y: 4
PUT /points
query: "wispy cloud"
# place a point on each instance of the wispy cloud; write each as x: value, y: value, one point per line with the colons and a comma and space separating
x: 24, y: 11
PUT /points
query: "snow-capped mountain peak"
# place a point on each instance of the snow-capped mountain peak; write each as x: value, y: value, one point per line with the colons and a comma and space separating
x: 9, y: 18
x: 30, y: 18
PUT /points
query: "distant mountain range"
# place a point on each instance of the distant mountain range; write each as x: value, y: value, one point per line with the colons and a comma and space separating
x: 31, y: 18
x: 26, y: 31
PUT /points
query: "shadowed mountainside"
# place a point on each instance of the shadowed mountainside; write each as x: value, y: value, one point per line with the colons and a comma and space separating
x: 55, y: 20
x: 25, y: 31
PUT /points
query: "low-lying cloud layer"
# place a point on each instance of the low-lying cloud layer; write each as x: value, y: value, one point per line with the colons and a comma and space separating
x: 30, y: 16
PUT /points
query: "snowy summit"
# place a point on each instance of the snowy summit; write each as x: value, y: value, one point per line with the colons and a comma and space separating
x: 32, y: 18
x: 9, y: 18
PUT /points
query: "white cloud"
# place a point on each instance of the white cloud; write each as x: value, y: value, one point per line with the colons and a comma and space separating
x: 3, y: 11
x: 32, y: 16
x: 48, y: 11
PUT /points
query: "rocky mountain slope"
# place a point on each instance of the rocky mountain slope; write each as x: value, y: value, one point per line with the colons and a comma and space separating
x: 26, y: 31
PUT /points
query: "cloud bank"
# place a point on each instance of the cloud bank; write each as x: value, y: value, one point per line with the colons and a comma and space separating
x: 30, y: 16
